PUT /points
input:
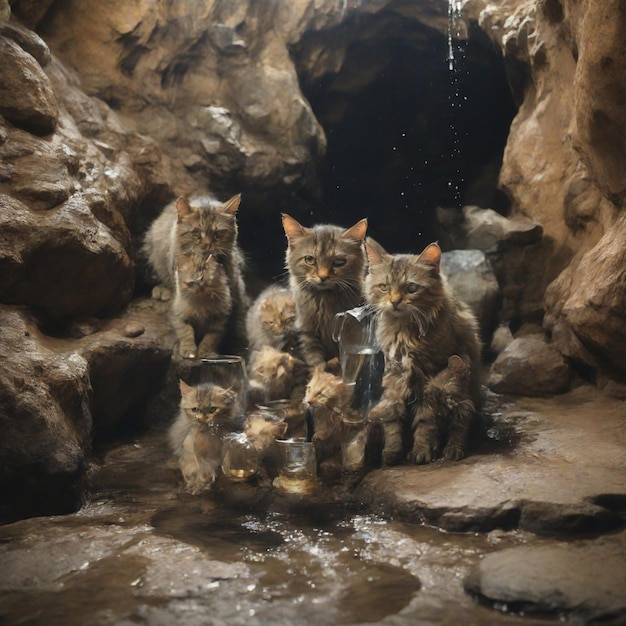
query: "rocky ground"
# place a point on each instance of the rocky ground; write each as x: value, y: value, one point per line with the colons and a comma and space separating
x: 533, y: 530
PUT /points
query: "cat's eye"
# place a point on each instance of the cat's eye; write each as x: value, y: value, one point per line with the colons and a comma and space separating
x: 383, y: 287
x: 218, y: 234
x: 412, y: 287
x: 196, y: 233
x: 309, y: 260
x: 212, y: 409
x: 194, y: 409
x: 339, y: 261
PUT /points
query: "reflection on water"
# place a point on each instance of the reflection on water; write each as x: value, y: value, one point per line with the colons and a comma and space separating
x: 143, y: 553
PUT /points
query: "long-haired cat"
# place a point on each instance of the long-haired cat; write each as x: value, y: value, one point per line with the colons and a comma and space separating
x: 206, y: 412
x: 421, y: 324
x: 271, y: 320
x: 326, y: 266
x: 263, y: 431
x: 330, y: 398
x: 202, y: 226
x: 275, y: 375
x: 201, y: 306
x: 442, y: 420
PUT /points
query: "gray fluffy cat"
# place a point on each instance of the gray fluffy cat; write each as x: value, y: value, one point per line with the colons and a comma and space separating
x: 326, y: 266
x: 202, y: 226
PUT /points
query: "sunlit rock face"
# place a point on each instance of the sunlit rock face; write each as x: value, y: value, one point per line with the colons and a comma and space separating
x: 563, y: 165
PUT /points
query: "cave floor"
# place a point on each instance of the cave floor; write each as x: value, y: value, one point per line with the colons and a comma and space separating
x: 531, y: 524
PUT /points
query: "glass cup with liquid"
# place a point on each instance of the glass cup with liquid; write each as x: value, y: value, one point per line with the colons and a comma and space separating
x: 297, y: 473
x: 240, y: 460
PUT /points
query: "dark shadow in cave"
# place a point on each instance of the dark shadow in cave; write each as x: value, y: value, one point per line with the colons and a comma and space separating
x: 405, y: 133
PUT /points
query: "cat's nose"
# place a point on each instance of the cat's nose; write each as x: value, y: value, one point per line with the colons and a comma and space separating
x: 323, y: 273
x: 395, y: 299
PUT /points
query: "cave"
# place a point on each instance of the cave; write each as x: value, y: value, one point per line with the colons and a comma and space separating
x: 413, y: 121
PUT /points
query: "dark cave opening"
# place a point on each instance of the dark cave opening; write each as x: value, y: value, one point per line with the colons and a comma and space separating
x: 405, y: 132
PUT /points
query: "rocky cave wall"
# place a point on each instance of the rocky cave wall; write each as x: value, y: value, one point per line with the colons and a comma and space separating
x: 109, y: 110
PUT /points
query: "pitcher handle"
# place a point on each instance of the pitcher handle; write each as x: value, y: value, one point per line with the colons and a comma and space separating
x: 338, y: 321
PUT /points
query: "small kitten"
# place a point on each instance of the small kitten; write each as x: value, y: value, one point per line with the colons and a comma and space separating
x: 330, y: 399
x: 326, y: 266
x: 271, y: 320
x: 201, y: 305
x: 263, y: 431
x: 443, y: 418
x: 202, y: 226
x: 275, y: 375
x: 420, y: 324
x: 206, y: 411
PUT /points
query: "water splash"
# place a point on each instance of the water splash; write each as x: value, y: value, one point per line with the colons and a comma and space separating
x: 457, y: 36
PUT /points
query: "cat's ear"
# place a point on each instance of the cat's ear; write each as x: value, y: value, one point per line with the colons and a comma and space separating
x: 356, y: 232
x: 185, y: 389
x: 182, y: 208
x: 431, y: 255
x: 231, y: 206
x: 375, y: 254
x: 293, y: 228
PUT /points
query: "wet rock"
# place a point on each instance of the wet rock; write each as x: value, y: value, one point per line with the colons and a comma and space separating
x: 529, y: 366
x: 586, y: 303
x: 26, y: 96
x: 472, y: 281
x: 59, y: 392
x: 532, y: 474
x: 27, y: 40
x: 484, y: 229
x: 65, y: 262
x: 502, y: 337
x: 134, y: 329
x: 584, y: 580
x: 46, y: 421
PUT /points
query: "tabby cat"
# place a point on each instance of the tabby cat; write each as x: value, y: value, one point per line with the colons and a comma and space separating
x: 201, y: 305
x: 206, y: 412
x: 326, y: 266
x: 420, y: 325
x: 275, y: 375
x: 271, y: 320
x: 443, y: 418
x: 263, y: 431
x: 200, y: 226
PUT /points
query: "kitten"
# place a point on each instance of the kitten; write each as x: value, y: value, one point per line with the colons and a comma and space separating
x: 443, y: 418
x: 263, y: 431
x: 326, y: 266
x: 201, y: 226
x: 330, y: 399
x: 206, y: 411
x: 420, y: 324
x: 201, y: 305
x: 271, y: 320
x: 275, y: 375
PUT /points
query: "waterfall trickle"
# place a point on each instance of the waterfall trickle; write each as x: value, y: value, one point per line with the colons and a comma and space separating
x: 457, y: 36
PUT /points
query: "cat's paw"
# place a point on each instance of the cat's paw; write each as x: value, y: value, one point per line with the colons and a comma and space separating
x: 453, y: 453
x: 392, y: 457
x: 160, y: 292
x: 420, y: 455
x: 188, y: 351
